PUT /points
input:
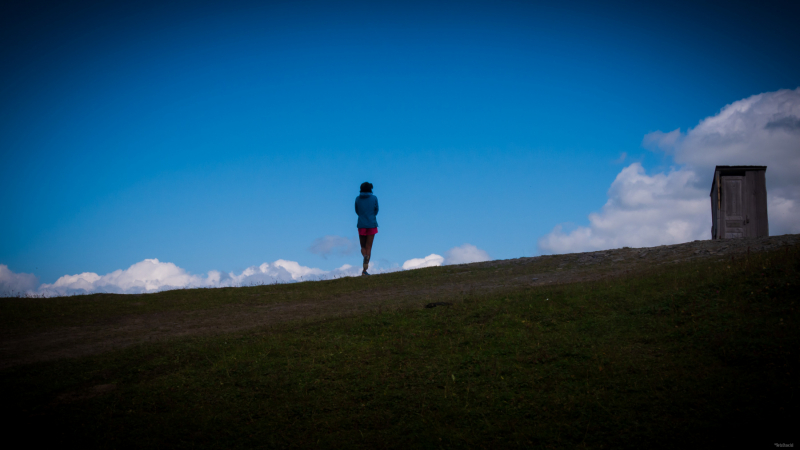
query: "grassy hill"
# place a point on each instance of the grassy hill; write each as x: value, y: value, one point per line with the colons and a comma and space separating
x: 676, y: 346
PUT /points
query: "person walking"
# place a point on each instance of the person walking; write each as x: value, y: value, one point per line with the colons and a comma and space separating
x: 367, y: 209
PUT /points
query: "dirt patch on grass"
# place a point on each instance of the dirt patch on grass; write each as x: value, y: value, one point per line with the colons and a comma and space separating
x: 453, y: 283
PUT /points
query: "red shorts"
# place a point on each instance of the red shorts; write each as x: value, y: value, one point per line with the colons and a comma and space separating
x: 367, y: 231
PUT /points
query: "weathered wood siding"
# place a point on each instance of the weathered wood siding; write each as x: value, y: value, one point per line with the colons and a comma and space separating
x: 739, y: 202
x: 759, y: 202
x: 714, y: 210
x: 733, y: 207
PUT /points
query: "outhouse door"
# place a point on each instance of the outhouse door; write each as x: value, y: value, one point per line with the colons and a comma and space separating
x: 733, y: 211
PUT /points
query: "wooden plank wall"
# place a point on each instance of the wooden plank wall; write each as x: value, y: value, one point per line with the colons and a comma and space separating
x: 759, y: 202
x: 714, y: 208
x: 754, y: 205
x: 750, y: 205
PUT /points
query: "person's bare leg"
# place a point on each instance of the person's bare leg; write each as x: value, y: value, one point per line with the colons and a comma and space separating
x: 370, y: 240
x: 366, y: 260
x: 366, y: 250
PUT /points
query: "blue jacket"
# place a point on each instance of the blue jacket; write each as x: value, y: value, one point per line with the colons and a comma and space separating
x: 367, y: 209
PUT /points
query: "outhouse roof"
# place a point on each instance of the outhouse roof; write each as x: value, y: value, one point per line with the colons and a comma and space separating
x: 732, y: 169
x: 740, y: 168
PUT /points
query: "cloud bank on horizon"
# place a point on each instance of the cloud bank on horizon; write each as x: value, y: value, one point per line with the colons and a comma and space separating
x: 673, y: 206
x: 463, y: 254
x: 16, y: 283
x: 152, y: 275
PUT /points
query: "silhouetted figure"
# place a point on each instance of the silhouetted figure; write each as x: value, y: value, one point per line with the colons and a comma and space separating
x: 367, y: 209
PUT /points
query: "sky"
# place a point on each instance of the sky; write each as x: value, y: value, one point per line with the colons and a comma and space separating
x: 153, y: 145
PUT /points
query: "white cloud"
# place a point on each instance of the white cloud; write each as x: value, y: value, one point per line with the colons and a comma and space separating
x: 16, y: 283
x: 641, y: 210
x: 296, y: 270
x: 431, y: 260
x: 761, y: 130
x: 674, y: 206
x: 330, y: 244
x: 152, y: 275
x: 149, y: 275
x: 465, y: 254
x: 658, y: 140
x: 758, y: 130
x: 784, y: 214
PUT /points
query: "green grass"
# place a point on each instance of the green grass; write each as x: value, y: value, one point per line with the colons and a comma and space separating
x: 694, y: 354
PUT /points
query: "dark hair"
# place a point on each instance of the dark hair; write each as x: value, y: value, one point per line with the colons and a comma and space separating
x: 366, y: 186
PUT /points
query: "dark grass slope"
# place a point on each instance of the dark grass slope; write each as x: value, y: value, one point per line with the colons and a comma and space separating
x: 698, y: 354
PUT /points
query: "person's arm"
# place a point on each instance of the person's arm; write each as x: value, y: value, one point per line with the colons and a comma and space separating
x: 356, y: 205
x: 376, y: 206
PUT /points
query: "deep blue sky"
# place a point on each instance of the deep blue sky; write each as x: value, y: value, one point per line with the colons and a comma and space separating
x: 219, y: 135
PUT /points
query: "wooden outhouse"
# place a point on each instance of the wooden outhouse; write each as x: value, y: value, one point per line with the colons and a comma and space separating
x: 739, y: 202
